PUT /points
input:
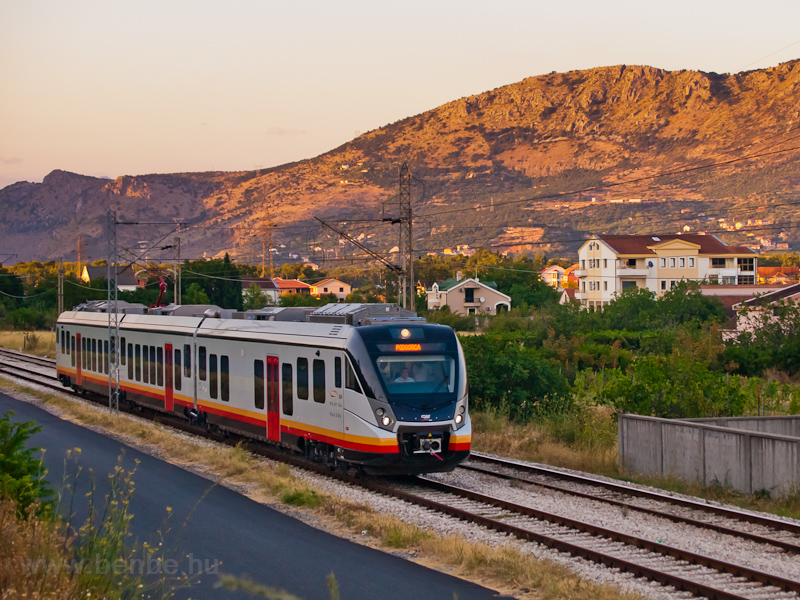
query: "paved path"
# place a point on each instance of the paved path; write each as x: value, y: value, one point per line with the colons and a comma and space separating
x: 247, y: 537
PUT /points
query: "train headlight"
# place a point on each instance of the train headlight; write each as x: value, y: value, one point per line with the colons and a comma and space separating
x: 405, y: 334
x: 380, y: 412
x: 461, y: 410
x: 386, y: 421
x: 459, y: 418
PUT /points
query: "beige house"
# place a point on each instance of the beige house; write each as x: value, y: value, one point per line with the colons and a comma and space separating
x: 338, y: 288
x: 751, y: 313
x: 467, y: 297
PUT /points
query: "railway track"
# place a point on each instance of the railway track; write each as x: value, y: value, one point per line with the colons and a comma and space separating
x: 721, y: 519
x: 702, y: 576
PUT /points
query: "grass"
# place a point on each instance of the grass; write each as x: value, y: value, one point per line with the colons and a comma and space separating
x: 40, y: 343
x: 504, y: 568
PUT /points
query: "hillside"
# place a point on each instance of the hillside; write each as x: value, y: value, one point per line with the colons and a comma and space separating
x: 608, y: 131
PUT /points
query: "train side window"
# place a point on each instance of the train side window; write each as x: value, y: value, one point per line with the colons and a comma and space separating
x: 176, y: 367
x: 224, y: 379
x: 84, y: 352
x: 146, y: 364
x: 258, y: 384
x: 160, y: 363
x: 337, y: 372
x: 106, y: 359
x: 122, y: 360
x: 302, y: 378
x: 212, y: 375
x: 187, y: 361
x: 286, y: 384
x: 138, y: 362
x: 350, y: 379
x: 63, y: 339
x: 201, y: 363
x: 319, y: 381
x: 94, y: 355
x: 153, y: 365
x: 72, y: 353
x: 130, y: 362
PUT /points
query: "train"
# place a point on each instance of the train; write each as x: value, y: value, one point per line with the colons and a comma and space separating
x: 370, y: 387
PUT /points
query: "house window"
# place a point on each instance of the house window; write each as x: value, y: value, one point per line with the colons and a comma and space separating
x: 628, y: 284
x: 691, y: 262
x: 584, y: 287
x: 746, y: 279
x: 469, y: 295
x: 663, y: 262
x: 631, y: 262
x: 672, y: 283
x: 605, y: 263
x: 663, y: 285
x: 583, y: 264
x: 713, y: 279
x: 717, y: 263
x: 729, y: 280
x: 745, y: 264
x: 341, y: 289
x: 672, y: 263
x: 682, y: 263
x: 605, y: 286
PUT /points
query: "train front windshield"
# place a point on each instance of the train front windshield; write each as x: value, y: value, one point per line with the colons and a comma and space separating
x: 428, y: 376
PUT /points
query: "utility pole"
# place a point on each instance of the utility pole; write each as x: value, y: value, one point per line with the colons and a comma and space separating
x: 266, y: 240
x: 113, y: 315
x: 81, y: 247
x: 407, y: 287
x: 177, y: 293
x: 61, y: 285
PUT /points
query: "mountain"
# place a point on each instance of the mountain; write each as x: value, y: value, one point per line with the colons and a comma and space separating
x: 515, y: 167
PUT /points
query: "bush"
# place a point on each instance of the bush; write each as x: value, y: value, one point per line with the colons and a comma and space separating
x: 21, y: 474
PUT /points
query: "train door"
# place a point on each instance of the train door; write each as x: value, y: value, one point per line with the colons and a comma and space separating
x: 78, y: 357
x: 273, y: 404
x: 168, y: 370
x: 336, y: 394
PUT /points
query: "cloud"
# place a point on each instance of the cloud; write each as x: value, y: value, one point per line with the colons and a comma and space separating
x: 282, y: 131
x: 11, y: 160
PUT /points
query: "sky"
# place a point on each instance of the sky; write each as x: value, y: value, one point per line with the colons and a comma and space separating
x: 112, y: 87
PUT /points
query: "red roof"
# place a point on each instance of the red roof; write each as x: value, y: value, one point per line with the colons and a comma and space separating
x: 788, y: 272
x: 638, y: 244
x: 291, y: 284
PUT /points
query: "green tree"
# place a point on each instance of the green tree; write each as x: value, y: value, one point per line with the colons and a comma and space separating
x: 21, y: 474
x: 195, y: 295
x: 254, y: 298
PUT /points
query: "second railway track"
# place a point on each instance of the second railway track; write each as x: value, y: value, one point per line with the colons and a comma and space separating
x: 697, y: 574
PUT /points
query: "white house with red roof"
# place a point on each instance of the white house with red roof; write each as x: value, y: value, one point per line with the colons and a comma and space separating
x: 291, y: 286
x: 608, y: 264
x: 338, y: 288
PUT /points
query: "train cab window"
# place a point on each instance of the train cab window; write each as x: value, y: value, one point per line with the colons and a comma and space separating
x: 145, y: 365
x: 130, y: 362
x: 176, y: 367
x: 319, y: 381
x: 160, y: 366
x: 138, y: 361
x: 350, y: 379
x: 201, y: 363
x: 122, y: 351
x: 224, y: 379
x: 153, y: 366
x: 212, y: 376
x: 187, y: 361
x: 286, y: 384
x: 72, y: 353
x: 337, y: 373
x: 106, y: 358
x: 258, y: 384
x: 302, y: 378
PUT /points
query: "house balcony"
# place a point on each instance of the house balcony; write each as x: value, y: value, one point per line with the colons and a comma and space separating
x: 580, y: 273
x: 632, y: 272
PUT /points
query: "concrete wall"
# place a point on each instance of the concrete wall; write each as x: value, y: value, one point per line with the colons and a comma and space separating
x: 776, y: 425
x: 744, y: 460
